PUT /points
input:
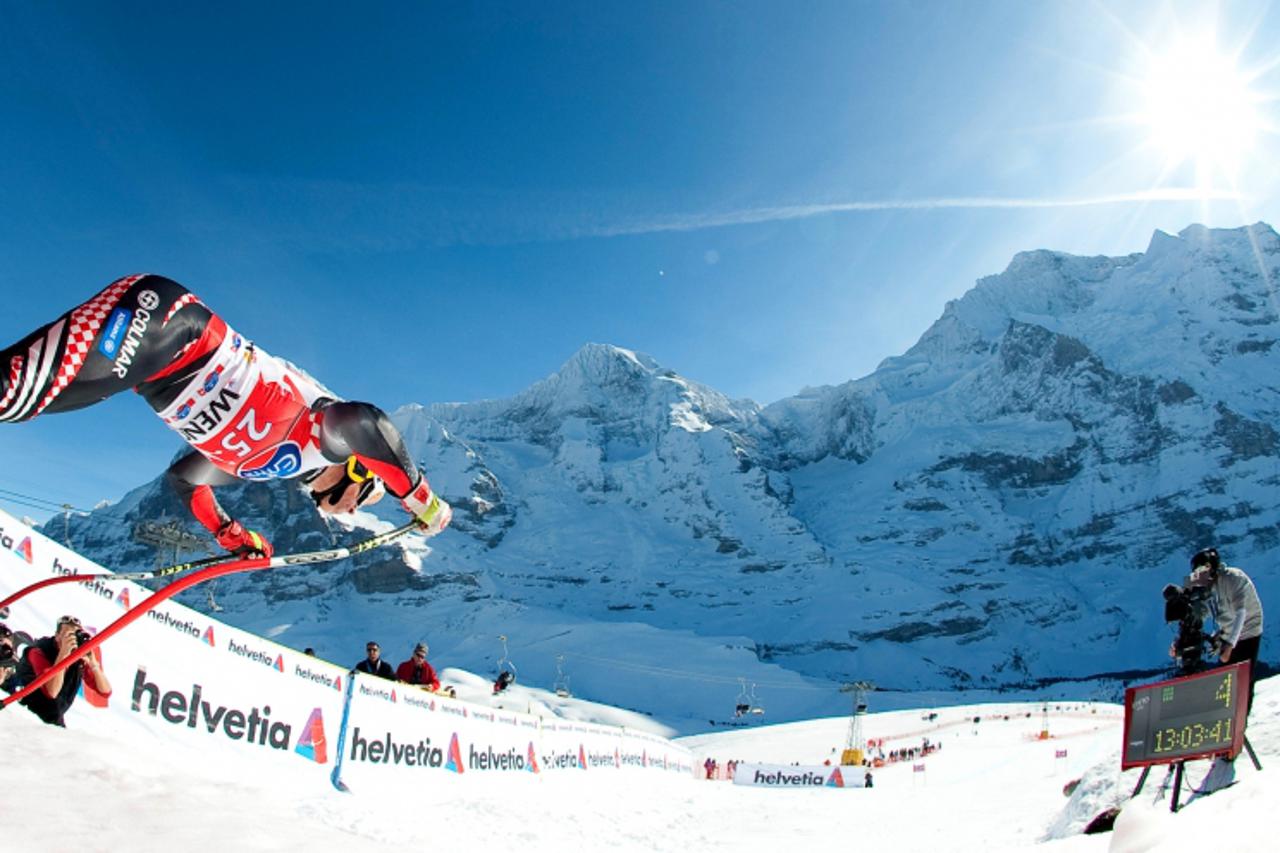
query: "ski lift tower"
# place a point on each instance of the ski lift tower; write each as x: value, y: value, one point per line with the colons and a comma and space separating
x: 164, y: 537
x: 853, y: 754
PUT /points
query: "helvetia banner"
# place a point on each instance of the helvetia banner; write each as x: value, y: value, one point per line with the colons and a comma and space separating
x: 175, y: 671
x: 179, y: 673
x: 799, y: 776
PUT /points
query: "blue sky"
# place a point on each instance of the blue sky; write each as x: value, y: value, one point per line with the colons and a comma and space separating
x: 425, y: 202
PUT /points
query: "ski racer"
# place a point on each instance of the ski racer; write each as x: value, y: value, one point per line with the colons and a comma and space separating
x: 247, y: 414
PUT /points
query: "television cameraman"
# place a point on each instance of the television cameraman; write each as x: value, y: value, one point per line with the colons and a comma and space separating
x: 50, y: 702
x: 1235, y: 607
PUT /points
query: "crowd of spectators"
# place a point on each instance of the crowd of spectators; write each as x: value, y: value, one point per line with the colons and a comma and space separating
x: 877, y: 757
x: 712, y: 770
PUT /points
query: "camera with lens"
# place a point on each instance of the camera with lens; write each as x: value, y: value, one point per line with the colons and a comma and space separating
x: 6, y: 653
x: 82, y: 637
x: 1188, y: 605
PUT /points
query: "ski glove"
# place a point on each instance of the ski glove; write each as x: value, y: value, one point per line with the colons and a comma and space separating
x: 241, y: 542
x: 430, y: 511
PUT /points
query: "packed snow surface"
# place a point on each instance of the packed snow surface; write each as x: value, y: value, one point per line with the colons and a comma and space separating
x: 993, y: 786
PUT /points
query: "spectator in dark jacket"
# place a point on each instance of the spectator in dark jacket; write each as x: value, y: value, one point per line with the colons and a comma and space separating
x: 374, y: 664
x: 417, y: 671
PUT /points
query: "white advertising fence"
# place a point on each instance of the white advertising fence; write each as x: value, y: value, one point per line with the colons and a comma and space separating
x: 799, y: 776
x: 179, y: 673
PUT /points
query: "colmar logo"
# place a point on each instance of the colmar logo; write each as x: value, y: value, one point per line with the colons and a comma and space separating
x: 134, y: 331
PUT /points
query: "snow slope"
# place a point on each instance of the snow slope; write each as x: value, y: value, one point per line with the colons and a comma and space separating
x: 120, y: 779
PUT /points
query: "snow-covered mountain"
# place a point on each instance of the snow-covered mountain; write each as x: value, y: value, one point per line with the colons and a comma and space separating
x: 999, y: 506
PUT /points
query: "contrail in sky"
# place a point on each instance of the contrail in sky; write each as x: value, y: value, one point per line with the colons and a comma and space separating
x: 749, y: 216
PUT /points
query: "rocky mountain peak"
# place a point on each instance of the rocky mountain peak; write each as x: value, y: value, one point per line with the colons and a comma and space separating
x: 999, y: 506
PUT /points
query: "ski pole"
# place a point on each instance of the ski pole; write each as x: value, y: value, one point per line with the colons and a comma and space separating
x: 215, y: 571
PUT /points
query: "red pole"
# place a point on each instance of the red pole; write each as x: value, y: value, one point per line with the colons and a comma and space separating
x: 132, y: 615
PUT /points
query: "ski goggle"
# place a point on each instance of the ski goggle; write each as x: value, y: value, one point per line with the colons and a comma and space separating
x: 370, y: 486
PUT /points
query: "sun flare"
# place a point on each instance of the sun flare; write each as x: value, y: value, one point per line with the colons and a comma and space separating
x: 1198, y: 108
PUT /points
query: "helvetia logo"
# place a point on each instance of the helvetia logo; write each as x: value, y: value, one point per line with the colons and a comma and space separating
x: 308, y: 674
x: 533, y: 760
x: 256, y: 655
x: 591, y: 759
x: 184, y: 626
x: 387, y: 751
x: 455, y: 756
x: 564, y: 760
x: 22, y: 549
x: 312, y: 745
x: 123, y: 599
x: 836, y: 780
x: 199, y: 714
x: 91, y: 584
x: 208, y: 637
x: 486, y: 759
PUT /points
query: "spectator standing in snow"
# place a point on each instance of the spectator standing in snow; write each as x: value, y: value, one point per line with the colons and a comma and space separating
x: 417, y: 671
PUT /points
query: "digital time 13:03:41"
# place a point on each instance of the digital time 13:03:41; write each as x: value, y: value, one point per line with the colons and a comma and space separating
x: 1193, y: 736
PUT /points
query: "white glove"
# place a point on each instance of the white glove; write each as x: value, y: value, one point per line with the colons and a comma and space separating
x: 431, y: 512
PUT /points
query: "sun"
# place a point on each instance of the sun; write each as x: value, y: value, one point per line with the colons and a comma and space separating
x: 1199, y: 109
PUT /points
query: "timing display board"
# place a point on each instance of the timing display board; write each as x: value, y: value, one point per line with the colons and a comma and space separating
x: 1196, y: 716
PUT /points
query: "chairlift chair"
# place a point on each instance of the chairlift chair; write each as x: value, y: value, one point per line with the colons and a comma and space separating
x: 562, y: 680
x: 506, y: 669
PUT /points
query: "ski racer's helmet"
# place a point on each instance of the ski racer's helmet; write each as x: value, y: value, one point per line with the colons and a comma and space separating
x: 343, y: 487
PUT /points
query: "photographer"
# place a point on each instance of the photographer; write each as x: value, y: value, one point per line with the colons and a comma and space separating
x: 1235, y: 607
x: 8, y: 659
x: 50, y: 702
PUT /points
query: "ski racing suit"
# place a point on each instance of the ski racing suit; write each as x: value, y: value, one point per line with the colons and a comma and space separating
x: 247, y: 414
